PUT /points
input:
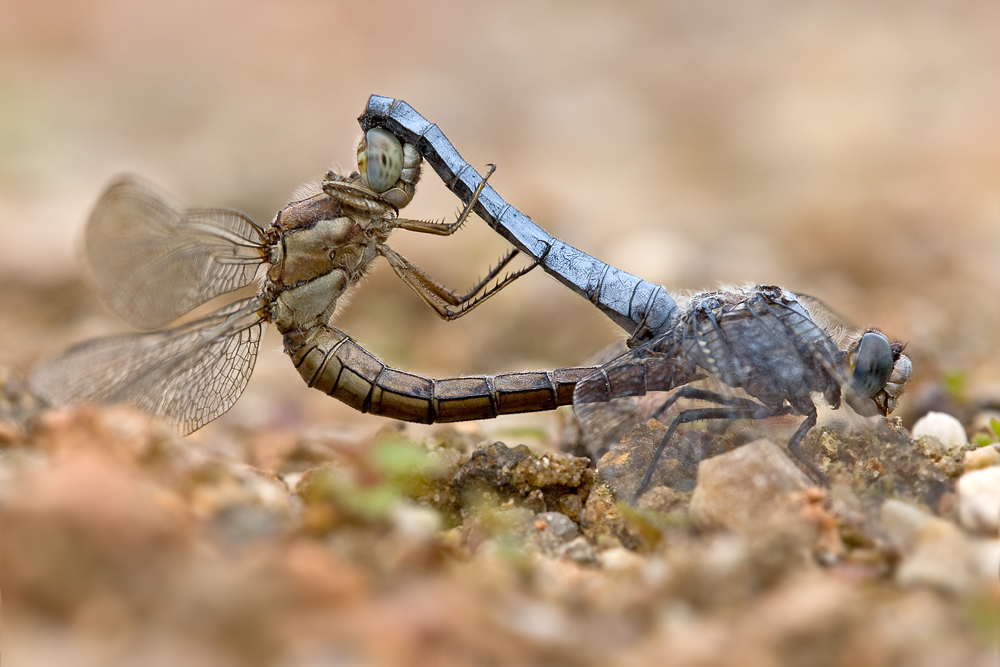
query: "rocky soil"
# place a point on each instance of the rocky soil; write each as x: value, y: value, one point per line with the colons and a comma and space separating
x: 123, y: 544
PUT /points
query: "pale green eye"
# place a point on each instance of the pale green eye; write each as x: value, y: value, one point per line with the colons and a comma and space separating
x: 380, y: 159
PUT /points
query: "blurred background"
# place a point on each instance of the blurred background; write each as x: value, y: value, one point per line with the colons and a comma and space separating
x: 849, y: 150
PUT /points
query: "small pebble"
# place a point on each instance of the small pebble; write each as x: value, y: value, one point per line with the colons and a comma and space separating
x: 741, y: 489
x: 979, y: 500
x: 620, y: 559
x: 944, y: 558
x: 904, y: 522
x: 415, y: 523
x: 550, y: 531
x: 557, y: 524
x: 580, y: 551
x: 984, y: 457
x: 948, y: 430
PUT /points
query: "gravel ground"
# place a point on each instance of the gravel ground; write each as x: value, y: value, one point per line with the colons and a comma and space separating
x: 126, y: 545
x: 850, y: 151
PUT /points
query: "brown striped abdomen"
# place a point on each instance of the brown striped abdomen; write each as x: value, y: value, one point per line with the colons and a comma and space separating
x: 330, y: 361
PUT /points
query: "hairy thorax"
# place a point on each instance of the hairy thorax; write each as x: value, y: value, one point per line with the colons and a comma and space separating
x: 317, y: 248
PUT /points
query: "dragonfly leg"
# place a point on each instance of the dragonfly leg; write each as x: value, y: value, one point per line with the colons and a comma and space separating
x: 796, y: 440
x: 753, y: 410
x: 444, y: 301
x: 445, y: 228
x: 704, y: 395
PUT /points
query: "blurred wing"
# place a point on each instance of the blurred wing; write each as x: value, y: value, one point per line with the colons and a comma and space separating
x: 155, y: 260
x: 615, y: 404
x: 816, y: 343
x: 188, y: 375
x: 614, y: 414
x: 836, y: 325
x: 625, y: 392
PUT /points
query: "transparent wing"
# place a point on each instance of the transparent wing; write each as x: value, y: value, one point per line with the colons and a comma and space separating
x: 609, y: 403
x: 724, y: 376
x: 623, y: 434
x: 613, y: 408
x: 188, y: 375
x: 155, y: 260
x: 836, y: 325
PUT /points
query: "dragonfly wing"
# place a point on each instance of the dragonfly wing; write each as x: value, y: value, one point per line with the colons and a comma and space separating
x: 836, y: 325
x: 811, y: 349
x: 615, y: 406
x: 684, y: 369
x: 625, y: 391
x: 188, y: 375
x: 155, y: 260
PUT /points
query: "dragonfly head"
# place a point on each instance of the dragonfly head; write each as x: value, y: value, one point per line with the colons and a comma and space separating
x: 879, y: 371
x: 387, y: 167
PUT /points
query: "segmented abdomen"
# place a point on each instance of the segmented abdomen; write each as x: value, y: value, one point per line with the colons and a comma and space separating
x: 330, y: 361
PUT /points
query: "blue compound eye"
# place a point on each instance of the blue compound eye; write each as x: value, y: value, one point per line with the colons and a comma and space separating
x: 872, y: 364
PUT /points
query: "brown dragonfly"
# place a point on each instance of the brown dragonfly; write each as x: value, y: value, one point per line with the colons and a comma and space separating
x: 155, y: 261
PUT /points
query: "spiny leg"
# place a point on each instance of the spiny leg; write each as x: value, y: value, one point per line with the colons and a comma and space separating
x: 490, y: 275
x: 684, y: 417
x: 445, y: 228
x: 738, y: 401
x: 448, y: 296
x: 442, y: 300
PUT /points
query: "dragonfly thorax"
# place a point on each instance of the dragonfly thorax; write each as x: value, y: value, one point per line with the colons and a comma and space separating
x: 317, y: 248
x: 320, y: 246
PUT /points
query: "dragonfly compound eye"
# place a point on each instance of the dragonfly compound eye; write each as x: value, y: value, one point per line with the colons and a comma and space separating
x: 873, y: 364
x: 380, y: 159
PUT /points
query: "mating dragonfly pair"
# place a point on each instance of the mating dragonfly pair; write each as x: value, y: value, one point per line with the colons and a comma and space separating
x: 768, y: 351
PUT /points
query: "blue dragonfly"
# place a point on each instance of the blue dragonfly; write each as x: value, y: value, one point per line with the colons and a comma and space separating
x: 749, y: 353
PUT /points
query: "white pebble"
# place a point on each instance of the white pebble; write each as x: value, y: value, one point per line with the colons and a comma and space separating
x: 415, y: 523
x: 979, y: 500
x: 944, y: 427
x: 984, y: 457
x: 618, y: 559
x: 904, y: 522
x: 944, y: 558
